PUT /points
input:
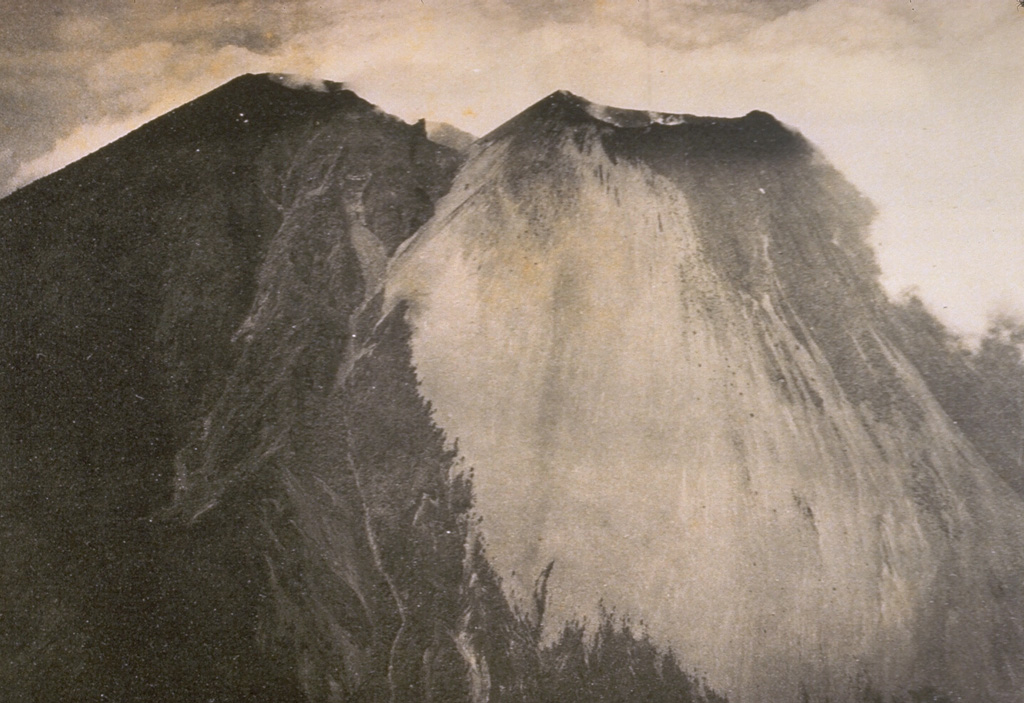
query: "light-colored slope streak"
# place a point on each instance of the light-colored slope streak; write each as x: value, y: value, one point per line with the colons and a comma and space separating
x: 685, y: 458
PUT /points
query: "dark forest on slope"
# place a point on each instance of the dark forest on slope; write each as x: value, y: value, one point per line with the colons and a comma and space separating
x: 982, y: 389
x: 220, y: 480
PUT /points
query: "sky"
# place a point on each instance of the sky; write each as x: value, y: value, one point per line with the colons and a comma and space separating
x: 917, y: 102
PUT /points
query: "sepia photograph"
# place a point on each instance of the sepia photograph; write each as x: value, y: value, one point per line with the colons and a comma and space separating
x: 512, y: 351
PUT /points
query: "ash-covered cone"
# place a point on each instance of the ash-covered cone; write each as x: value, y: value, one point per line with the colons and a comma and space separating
x: 660, y: 342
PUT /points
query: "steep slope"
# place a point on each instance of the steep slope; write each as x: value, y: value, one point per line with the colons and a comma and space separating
x: 981, y: 392
x: 175, y: 305
x: 660, y: 342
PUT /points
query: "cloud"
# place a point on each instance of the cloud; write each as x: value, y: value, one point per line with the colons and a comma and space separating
x: 73, y: 70
x: 84, y: 140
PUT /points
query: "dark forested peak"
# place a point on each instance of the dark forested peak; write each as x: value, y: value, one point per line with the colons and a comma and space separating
x: 298, y: 82
x: 235, y: 116
x: 172, y: 303
x: 274, y: 94
x: 258, y: 102
x: 291, y: 81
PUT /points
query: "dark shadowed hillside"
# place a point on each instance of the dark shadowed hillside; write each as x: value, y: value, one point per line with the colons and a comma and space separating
x: 126, y: 280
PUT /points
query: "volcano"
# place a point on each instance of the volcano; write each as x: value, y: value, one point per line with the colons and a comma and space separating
x: 609, y: 405
x: 660, y: 342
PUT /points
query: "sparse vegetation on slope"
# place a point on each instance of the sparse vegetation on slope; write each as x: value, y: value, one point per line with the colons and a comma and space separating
x: 980, y: 388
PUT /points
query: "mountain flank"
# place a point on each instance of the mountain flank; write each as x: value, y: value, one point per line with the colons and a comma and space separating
x: 661, y: 343
x: 129, y: 280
